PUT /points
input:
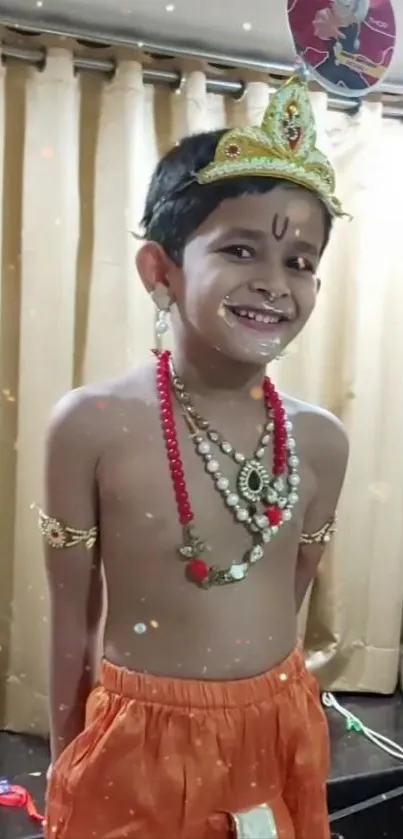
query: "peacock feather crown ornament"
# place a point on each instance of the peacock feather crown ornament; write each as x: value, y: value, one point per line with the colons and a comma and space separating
x: 283, y: 147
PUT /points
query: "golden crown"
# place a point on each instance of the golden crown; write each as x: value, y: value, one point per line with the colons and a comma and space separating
x: 283, y: 147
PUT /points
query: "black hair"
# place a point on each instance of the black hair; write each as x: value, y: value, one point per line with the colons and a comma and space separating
x: 176, y: 205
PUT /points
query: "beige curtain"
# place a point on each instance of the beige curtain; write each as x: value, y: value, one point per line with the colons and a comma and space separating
x: 77, y: 154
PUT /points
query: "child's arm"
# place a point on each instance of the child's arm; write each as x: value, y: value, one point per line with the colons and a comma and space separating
x: 329, y: 462
x: 69, y: 520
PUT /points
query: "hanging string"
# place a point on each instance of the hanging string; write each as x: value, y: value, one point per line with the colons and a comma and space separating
x: 353, y: 723
x: 15, y: 796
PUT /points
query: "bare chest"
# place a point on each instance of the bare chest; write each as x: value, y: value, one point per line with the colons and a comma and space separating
x: 137, y: 498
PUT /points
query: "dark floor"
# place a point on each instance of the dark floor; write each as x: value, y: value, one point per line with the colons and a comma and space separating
x: 362, y: 778
x: 359, y: 771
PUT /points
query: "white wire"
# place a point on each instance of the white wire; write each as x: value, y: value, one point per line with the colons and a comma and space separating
x: 379, y: 740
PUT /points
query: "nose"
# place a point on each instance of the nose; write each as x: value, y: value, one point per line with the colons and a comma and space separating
x: 274, y: 287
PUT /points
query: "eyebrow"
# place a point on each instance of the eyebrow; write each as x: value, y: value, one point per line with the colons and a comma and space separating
x: 308, y: 247
x: 258, y: 235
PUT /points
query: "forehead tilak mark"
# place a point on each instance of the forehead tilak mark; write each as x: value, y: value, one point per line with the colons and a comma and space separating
x: 278, y: 228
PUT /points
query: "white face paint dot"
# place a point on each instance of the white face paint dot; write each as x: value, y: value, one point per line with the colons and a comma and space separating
x: 140, y: 628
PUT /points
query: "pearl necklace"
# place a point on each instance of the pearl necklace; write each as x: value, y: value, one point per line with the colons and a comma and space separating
x: 260, y: 502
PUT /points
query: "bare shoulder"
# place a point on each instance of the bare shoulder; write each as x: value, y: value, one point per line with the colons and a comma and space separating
x: 322, y: 435
x: 86, y: 426
x: 323, y: 445
x: 84, y: 416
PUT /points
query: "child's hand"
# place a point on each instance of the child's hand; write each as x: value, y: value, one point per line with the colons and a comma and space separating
x: 326, y: 25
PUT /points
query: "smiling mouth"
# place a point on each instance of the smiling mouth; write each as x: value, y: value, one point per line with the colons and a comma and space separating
x: 257, y: 317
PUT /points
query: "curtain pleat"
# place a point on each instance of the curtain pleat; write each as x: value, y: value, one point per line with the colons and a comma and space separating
x: 120, y: 328
x: 10, y: 178
x: 49, y: 240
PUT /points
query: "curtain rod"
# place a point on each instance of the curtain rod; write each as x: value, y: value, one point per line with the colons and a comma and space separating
x: 106, y: 39
x: 171, y: 78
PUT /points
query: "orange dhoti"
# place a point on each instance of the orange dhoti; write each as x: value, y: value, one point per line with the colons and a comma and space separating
x: 164, y: 758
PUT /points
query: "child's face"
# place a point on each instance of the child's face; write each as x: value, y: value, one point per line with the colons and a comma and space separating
x: 248, y: 281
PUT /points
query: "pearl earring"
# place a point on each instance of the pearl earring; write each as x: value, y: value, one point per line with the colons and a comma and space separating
x: 163, y: 303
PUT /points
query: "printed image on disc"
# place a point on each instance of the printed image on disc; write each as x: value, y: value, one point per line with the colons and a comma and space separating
x: 347, y: 45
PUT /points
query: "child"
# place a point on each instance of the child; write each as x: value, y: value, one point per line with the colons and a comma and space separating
x: 209, y: 499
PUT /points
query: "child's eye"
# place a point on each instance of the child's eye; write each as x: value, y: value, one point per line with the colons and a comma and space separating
x: 241, y: 252
x: 300, y: 263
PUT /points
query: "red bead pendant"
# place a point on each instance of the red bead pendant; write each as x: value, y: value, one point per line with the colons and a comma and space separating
x: 274, y: 516
x: 198, y: 570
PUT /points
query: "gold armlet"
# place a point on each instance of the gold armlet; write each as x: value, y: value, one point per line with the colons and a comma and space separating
x: 59, y: 536
x: 322, y: 536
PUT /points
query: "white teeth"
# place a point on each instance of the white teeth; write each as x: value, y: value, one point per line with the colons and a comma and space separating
x: 248, y: 313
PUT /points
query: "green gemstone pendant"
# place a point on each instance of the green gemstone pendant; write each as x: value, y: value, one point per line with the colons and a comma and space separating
x: 253, y: 479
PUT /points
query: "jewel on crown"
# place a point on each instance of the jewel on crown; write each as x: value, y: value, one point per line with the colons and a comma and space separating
x: 292, y: 125
x: 283, y: 147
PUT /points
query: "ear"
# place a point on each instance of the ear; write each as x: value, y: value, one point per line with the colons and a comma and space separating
x: 153, y: 266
